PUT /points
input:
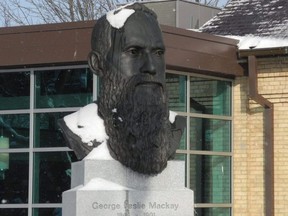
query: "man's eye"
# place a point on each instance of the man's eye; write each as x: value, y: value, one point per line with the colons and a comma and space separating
x: 159, y: 52
x: 134, y: 51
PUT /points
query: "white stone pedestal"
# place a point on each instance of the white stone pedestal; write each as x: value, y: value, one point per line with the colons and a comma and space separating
x: 107, y: 188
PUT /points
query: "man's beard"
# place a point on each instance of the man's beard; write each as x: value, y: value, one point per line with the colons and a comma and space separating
x: 138, y: 126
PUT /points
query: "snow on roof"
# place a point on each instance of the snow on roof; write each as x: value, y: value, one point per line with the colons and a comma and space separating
x: 257, y: 23
x: 255, y: 42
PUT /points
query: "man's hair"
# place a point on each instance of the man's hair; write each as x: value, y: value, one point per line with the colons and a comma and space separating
x: 101, y: 40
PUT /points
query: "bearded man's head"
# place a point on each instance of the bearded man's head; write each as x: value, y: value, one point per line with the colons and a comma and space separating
x: 133, y: 103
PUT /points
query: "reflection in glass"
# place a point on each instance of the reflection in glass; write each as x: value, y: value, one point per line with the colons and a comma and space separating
x: 14, y: 212
x: 47, y: 133
x: 181, y: 157
x: 52, y: 172
x: 210, y: 178
x: 183, y: 141
x: 14, y: 128
x: 213, y: 211
x: 14, y: 178
x: 14, y: 90
x: 210, y: 134
x: 176, y: 90
x: 63, y: 88
x: 208, y: 96
x: 47, y: 212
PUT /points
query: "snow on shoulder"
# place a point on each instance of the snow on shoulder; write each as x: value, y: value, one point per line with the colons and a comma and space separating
x: 86, y: 124
x: 172, y: 116
x: 118, y: 17
x: 89, y: 126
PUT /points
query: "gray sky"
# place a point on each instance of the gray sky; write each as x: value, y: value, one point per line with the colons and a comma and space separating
x: 223, y: 2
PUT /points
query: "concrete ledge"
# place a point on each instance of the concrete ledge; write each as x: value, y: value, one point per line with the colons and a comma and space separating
x: 107, y: 188
x: 112, y: 170
x: 128, y: 202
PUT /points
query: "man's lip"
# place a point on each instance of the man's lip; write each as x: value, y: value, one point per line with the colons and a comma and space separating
x: 149, y: 83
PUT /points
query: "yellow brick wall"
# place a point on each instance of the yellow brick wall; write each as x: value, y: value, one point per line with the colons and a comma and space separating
x: 248, y: 140
x: 273, y: 85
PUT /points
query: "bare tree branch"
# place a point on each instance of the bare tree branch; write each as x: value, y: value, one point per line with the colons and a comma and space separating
x: 71, y: 10
x: 27, y: 12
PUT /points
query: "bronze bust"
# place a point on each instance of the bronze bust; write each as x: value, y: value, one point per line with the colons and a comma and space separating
x: 128, y: 56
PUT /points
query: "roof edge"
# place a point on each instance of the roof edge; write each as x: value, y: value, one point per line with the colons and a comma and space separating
x: 263, y: 52
x: 46, y: 27
x: 200, y: 35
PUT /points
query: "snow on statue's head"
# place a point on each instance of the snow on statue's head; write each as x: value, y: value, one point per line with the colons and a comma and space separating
x: 128, y: 56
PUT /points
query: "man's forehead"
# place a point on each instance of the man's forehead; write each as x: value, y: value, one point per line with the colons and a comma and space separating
x: 142, y: 41
x: 142, y: 30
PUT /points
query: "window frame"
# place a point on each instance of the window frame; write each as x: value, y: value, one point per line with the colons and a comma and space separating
x: 31, y: 150
x: 187, y: 152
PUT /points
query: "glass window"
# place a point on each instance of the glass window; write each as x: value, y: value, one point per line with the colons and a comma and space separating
x: 14, y: 178
x: 52, y: 172
x: 14, y: 131
x: 176, y: 90
x: 208, y: 175
x: 47, y: 132
x: 180, y: 157
x: 210, y: 134
x: 57, y: 88
x: 14, y: 212
x: 209, y: 96
x: 183, y: 141
x: 14, y: 90
x: 63, y: 88
x: 47, y: 212
x: 213, y: 211
x: 210, y: 178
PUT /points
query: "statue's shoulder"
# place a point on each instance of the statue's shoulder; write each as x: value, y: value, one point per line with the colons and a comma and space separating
x: 83, y: 130
x: 177, y: 122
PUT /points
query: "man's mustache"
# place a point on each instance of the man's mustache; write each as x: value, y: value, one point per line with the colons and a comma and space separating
x: 145, y: 80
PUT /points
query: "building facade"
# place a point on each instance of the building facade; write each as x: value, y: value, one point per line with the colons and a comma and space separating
x: 44, y: 76
x: 260, y: 141
x: 182, y: 13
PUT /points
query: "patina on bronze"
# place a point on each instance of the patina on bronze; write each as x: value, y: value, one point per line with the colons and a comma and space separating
x: 133, y: 101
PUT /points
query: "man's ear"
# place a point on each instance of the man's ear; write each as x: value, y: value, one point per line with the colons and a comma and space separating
x: 95, y: 63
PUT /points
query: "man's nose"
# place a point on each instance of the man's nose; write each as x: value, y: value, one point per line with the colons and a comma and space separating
x: 148, y: 64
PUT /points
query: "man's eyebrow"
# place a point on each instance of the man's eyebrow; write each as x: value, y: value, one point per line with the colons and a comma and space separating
x: 140, y: 44
x: 133, y: 43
